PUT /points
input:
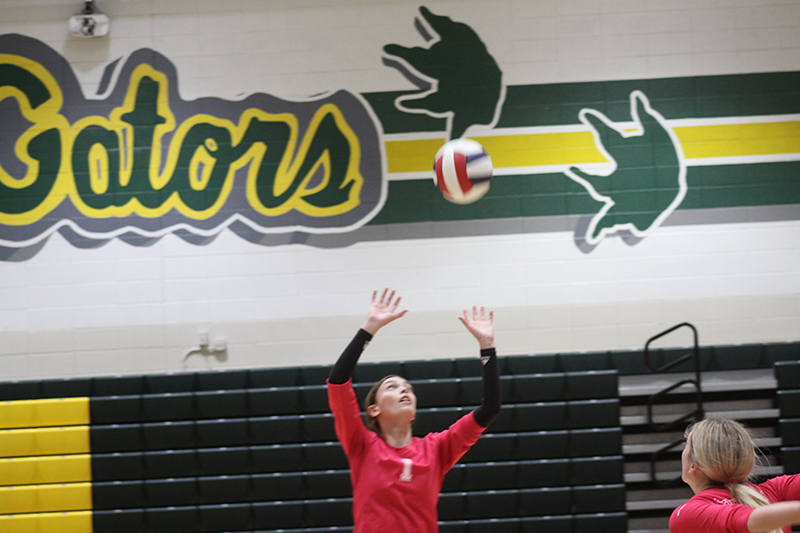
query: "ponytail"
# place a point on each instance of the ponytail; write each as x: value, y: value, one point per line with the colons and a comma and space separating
x: 747, y: 495
x: 724, y: 451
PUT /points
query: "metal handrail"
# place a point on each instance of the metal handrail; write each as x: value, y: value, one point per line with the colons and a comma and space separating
x: 695, y: 415
x: 695, y: 353
x: 654, y: 457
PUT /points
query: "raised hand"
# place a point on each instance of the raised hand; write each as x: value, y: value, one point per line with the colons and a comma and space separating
x: 382, y: 311
x: 480, y: 326
x: 461, y: 81
x: 648, y: 177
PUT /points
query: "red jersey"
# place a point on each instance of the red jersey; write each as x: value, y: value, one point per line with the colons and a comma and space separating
x: 713, y: 510
x: 396, y: 486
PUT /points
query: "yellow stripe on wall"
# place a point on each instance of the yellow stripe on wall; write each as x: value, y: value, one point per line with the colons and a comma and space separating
x: 41, y: 413
x: 542, y: 149
x: 578, y: 147
x: 46, y: 498
x: 68, y: 522
x: 413, y: 155
x: 736, y: 140
x: 507, y: 151
x: 44, y: 441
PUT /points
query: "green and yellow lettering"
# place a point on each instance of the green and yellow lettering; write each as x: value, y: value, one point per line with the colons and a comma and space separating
x: 114, y: 166
x: 24, y: 200
x: 278, y: 184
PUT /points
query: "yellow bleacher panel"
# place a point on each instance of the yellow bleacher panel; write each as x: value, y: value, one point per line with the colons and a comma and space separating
x: 41, y: 413
x: 45, y: 466
x: 46, y: 498
x: 69, y: 522
x: 72, y: 522
x: 49, y: 469
x: 44, y: 441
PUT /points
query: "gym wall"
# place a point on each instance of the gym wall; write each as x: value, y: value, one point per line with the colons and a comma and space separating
x: 249, y: 172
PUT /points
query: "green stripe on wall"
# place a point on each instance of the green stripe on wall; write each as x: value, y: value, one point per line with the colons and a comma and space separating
x: 723, y: 186
x: 743, y: 186
x: 699, y: 97
x: 555, y: 104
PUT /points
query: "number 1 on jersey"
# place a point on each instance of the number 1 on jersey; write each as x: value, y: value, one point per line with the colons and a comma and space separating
x: 406, y: 475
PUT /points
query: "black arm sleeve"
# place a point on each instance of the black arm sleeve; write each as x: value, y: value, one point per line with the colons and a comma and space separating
x: 346, y: 364
x: 490, y: 403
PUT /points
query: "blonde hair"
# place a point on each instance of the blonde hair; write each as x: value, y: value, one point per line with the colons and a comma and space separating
x: 724, y: 451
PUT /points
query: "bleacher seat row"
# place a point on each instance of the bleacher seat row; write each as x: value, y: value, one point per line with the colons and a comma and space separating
x: 627, y: 362
x: 255, y: 450
x: 787, y: 374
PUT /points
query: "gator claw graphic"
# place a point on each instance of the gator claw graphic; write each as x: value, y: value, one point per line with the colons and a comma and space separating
x: 647, y: 181
x: 460, y: 79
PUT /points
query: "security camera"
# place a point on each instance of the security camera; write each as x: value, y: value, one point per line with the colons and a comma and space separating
x: 90, y: 22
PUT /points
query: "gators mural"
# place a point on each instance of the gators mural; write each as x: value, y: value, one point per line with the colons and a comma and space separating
x: 599, y: 159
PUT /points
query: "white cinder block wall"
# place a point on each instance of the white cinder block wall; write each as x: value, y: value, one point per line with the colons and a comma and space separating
x: 119, y: 309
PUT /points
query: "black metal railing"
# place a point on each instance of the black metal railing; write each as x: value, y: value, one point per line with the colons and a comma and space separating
x: 696, y: 414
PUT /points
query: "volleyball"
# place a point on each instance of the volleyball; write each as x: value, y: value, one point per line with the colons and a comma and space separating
x: 462, y: 170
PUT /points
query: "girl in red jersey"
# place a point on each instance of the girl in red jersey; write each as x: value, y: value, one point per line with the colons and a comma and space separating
x: 718, y: 458
x: 397, y: 477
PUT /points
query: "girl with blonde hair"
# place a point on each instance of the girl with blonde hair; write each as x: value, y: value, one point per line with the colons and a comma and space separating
x: 716, y: 463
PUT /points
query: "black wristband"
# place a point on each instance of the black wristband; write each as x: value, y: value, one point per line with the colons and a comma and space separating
x: 490, y: 403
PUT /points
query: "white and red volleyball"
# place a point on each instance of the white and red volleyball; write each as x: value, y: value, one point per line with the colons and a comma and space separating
x: 462, y: 170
